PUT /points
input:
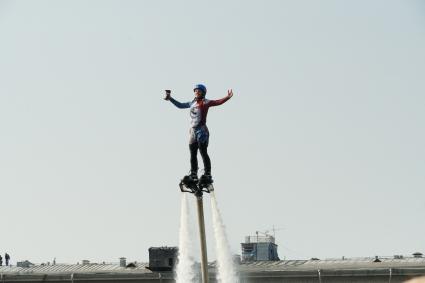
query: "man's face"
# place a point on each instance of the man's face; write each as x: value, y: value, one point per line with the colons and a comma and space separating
x: 198, y: 93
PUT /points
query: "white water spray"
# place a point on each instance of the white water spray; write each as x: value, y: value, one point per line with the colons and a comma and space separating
x: 185, y: 270
x: 225, y: 267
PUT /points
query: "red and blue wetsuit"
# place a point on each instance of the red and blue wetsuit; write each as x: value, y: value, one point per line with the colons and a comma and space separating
x: 199, y: 134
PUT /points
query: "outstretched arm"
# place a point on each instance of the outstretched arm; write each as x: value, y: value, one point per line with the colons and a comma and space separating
x: 175, y: 102
x: 221, y: 101
x: 180, y: 104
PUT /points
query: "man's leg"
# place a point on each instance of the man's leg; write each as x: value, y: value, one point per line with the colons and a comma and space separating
x: 205, y: 158
x: 193, y: 147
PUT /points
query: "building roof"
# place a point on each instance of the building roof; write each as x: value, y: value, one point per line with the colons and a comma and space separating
x: 75, y: 268
x: 334, y: 264
x: 283, y: 266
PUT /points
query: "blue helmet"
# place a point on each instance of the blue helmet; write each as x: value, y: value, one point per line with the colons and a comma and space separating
x: 201, y: 87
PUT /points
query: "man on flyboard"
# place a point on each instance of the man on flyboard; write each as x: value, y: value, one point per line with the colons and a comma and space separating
x: 198, y: 133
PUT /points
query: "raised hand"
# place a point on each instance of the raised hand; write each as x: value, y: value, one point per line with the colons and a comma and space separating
x: 167, y: 94
x: 230, y: 93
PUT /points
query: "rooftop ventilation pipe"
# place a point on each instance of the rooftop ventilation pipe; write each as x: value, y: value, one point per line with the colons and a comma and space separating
x: 123, y: 262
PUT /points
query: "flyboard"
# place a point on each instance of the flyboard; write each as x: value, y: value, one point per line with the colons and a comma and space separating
x: 189, y: 185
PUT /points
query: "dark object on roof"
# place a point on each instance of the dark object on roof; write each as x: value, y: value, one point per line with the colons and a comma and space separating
x: 131, y: 265
x: 25, y: 264
x: 162, y: 258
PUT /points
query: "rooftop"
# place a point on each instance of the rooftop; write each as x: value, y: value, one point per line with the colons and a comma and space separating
x: 369, y: 263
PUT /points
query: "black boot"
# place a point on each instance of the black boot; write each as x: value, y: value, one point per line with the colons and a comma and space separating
x: 194, y: 176
x: 206, y: 179
x: 191, y: 178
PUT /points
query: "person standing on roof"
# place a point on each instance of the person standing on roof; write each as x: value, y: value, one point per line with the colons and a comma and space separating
x: 7, y: 258
x: 198, y: 133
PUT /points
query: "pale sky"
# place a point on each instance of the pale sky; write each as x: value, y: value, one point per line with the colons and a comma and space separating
x: 324, y: 137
